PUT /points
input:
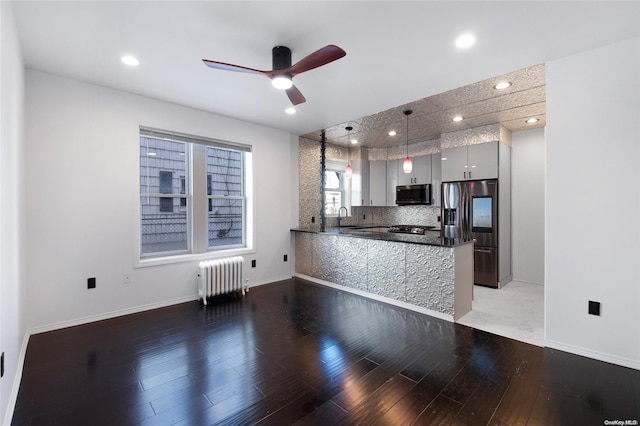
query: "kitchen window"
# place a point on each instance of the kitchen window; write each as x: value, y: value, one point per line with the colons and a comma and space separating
x: 336, y: 189
x: 193, y: 194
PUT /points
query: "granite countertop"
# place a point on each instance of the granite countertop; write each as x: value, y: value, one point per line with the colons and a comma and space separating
x: 378, y: 232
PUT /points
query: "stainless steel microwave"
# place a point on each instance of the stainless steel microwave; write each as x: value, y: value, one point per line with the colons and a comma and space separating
x: 410, y: 195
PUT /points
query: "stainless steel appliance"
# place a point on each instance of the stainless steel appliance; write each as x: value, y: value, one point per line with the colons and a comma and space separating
x: 470, y: 210
x: 407, y: 195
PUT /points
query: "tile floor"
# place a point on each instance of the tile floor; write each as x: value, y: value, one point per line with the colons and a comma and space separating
x: 515, y: 311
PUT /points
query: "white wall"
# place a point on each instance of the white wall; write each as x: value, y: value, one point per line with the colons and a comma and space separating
x: 527, y: 205
x: 12, y: 294
x: 82, y: 186
x: 593, y: 203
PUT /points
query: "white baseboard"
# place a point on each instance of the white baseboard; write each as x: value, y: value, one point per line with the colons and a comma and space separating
x: 600, y: 356
x: 108, y: 315
x: 13, y: 396
x: 383, y: 299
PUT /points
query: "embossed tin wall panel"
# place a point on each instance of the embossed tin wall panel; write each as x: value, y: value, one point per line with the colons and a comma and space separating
x: 429, y: 279
x: 386, y: 269
x: 413, y: 273
x: 304, y: 253
x: 473, y: 136
x: 402, y: 215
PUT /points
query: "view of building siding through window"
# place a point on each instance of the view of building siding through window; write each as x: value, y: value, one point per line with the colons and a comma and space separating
x: 166, y: 216
x: 225, y: 192
x: 333, y: 192
x: 163, y: 197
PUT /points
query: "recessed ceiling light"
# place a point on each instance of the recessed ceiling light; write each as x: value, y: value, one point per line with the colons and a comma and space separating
x: 354, y: 141
x: 392, y: 133
x: 151, y: 153
x: 457, y: 118
x: 130, y: 60
x: 532, y: 120
x: 290, y: 110
x: 502, y: 85
x: 465, y: 40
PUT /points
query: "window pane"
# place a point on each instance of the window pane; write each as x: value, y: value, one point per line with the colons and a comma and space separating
x: 333, y: 202
x: 225, y: 222
x: 224, y: 172
x: 332, y: 179
x: 163, y: 232
x: 163, y: 167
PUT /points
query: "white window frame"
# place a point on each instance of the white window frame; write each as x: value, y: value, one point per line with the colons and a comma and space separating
x: 197, y: 202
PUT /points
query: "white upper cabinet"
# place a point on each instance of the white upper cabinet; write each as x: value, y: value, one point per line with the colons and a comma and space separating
x: 378, y: 183
x: 470, y: 162
x: 421, y: 173
x: 392, y: 181
x: 482, y: 160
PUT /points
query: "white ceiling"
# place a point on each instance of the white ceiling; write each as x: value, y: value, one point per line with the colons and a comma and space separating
x: 397, y: 52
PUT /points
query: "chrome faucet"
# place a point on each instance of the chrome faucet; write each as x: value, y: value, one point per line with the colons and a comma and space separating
x: 346, y: 212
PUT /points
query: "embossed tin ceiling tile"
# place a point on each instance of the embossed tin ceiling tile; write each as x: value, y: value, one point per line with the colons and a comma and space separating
x: 479, y: 103
x: 519, y: 124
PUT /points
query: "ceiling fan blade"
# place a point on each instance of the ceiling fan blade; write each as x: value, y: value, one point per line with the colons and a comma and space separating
x: 317, y: 59
x: 237, y: 68
x: 295, y: 96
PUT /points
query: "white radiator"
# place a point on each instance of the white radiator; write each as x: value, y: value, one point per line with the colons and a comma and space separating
x: 220, y: 276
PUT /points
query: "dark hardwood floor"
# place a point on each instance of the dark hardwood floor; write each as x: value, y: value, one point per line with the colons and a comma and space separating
x: 294, y: 352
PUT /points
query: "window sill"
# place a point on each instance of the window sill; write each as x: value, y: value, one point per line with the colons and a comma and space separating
x: 191, y: 257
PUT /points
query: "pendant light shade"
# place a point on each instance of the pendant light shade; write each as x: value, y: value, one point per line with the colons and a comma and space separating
x: 348, y: 171
x: 407, y: 165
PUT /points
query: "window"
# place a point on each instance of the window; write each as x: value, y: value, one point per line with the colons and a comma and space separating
x: 192, y: 194
x: 333, y: 198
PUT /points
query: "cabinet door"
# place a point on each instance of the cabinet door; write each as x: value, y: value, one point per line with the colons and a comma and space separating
x: 422, y: 169
x: 436, y: 178
x: 454, y: 164
x: 392, y: 181
x: 482, y: 160
x: 378, y: 183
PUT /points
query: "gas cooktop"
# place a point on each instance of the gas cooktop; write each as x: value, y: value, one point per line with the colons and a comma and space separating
x: 410, y: 229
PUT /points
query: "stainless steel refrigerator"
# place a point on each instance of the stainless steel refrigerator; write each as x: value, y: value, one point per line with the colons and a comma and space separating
x: 470, y: 210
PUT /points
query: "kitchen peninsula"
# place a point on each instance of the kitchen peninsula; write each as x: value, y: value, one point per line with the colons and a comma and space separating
x: 418, y: 272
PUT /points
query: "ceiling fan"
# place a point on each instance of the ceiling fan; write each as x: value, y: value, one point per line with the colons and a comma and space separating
x: 283, y: 71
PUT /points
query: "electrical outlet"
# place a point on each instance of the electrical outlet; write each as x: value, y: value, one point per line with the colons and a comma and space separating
x: 126, y: 278
x: 364, y: 216
x: 594, y: 308
x: 439, y: 219
x: 285, y: 258
x: 313, y: 219
x: 91, y: 283
x: 253, y: 263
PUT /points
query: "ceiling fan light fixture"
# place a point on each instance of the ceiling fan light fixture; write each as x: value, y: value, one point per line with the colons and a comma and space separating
x: 282, y: 82
x: 290, y: 110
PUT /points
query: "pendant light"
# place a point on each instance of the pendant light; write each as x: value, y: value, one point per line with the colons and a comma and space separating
x: 407, y: 165
x: 348, y: 172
